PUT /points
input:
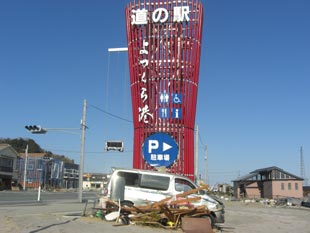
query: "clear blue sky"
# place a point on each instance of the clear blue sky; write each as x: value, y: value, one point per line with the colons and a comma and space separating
x: 253, y: 106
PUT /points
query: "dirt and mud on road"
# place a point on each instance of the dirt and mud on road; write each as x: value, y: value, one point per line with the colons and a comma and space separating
x: 260, y: 218
x: 240, y: 218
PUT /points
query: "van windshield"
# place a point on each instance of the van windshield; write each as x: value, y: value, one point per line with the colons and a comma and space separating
x: 182, y: 185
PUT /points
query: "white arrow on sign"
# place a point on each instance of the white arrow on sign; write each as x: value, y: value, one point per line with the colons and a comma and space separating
x: 166, y: 146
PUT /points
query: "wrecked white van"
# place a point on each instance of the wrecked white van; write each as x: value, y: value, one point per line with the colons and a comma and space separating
x: 144, y: 187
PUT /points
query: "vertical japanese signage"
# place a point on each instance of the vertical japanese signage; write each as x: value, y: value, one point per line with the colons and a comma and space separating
x: 159, y: 16
x: 164, y: 53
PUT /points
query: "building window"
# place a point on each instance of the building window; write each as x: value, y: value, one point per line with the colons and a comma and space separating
x: 282, y: 186
x: 277, y: 174
x: 296, y: 186
x: 29, y: 166
x: 6, y: 165
x: 289, y: 186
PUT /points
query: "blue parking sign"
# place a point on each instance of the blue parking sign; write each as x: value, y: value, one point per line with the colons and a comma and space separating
x: 160, y: 149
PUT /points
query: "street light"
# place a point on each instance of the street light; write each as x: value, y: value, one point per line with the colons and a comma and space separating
x: 37, y: 129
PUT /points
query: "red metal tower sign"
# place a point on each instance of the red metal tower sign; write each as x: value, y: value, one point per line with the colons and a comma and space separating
x: 164, y: 43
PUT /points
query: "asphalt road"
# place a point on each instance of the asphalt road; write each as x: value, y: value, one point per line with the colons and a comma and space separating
x: 24, y: 197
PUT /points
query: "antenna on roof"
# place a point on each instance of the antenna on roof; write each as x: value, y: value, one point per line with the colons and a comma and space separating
x: 302, y: 168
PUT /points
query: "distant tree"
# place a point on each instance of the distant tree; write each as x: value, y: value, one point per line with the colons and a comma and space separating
x: 20, y: 144
x: 63, y: 158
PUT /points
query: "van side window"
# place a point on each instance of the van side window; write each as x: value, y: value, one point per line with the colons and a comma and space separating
x: 183, y: 185
x: 131, y: 179
x: 154, y: 182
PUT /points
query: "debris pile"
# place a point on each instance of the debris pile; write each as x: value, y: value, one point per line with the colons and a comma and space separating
x: 289, y: 201
x: 167, y: 213
x: 281, y: 202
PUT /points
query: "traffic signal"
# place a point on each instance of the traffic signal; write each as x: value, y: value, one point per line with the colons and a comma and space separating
x: 35, y: 129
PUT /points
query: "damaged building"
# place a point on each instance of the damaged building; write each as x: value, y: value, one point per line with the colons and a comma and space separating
x: 271, y: 182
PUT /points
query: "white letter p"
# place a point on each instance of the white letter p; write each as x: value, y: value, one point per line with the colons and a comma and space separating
x: 153, y: 144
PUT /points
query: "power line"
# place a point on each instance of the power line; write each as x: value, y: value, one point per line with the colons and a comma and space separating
x: 88, y: 152
x: 199, y: 136
x: 110, y: 114
x: 130, y: 121
x: 223, y: 172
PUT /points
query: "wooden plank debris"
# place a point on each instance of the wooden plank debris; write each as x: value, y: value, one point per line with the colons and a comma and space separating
x: 167, y: 213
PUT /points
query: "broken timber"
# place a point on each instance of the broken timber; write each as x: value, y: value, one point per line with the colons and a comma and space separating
x: 166, y: 213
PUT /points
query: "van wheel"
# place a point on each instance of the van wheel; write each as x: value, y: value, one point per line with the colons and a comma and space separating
x: 127, y: 203
x: 126, y: 213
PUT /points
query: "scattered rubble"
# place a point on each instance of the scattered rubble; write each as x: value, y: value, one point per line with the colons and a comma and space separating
x: 169, y: 213
x: 289, y: 201
x: 285, y: 202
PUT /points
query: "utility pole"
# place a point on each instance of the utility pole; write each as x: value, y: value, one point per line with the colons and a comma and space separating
x: 40, y: 130
x: 196, y: 156
x: 25, y: 168
x: 206, y: 158
x: 81, y: 170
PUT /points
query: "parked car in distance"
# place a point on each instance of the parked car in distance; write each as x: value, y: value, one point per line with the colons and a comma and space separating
x: 143, y: 187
